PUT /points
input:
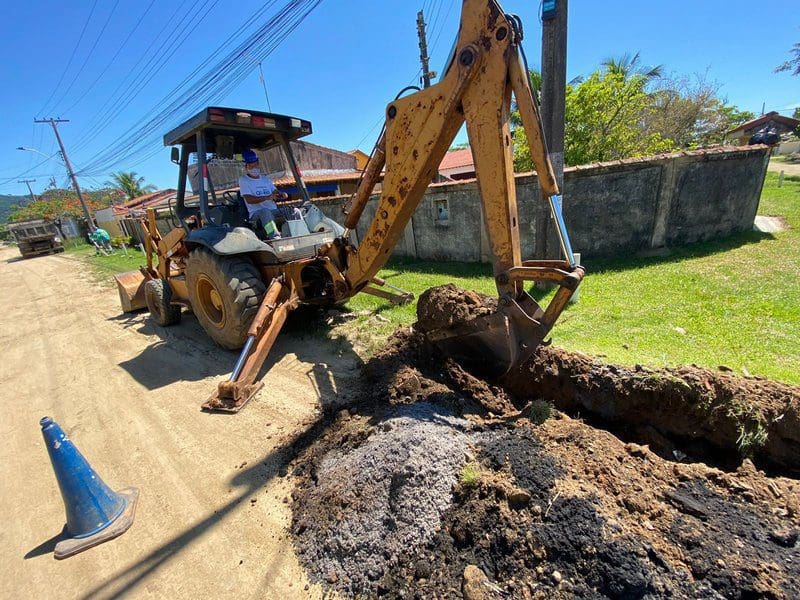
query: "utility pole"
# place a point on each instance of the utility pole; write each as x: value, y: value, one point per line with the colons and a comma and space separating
x: 554, y: 91
x: 423, y: 51
x: 54, y: 123
x: 28, y: 182
x: 264, y: 85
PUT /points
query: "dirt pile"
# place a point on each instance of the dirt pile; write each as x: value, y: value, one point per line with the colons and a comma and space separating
x: 448, y: 305
x: 378, y: 501
x: 516, y: 505
x: 752, y: 417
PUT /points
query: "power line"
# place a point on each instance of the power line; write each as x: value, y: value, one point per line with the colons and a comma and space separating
x: 71, y: 56
x: 90, y: 87
x: 136, y: 81
x: 89, y: 55
x: 441, y: 29
x: 54, y: 124
x: 214, y: 84
x: 131, y: 95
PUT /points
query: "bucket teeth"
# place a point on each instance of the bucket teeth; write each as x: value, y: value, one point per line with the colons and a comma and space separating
x: 491, y: 345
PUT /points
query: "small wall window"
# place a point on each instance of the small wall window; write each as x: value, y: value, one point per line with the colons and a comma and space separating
x: 441, y: 212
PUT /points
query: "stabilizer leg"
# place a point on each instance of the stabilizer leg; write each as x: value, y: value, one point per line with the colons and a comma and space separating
x: 233, y: 394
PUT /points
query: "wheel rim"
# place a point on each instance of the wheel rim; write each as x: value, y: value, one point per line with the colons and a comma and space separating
x: 210, y: 302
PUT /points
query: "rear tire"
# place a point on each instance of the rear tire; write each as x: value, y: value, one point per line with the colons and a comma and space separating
x: 157, y: 295
x: 225, y: 293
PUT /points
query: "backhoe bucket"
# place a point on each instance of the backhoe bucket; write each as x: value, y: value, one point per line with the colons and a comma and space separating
x: 493, y: 344
x: 131, y: 290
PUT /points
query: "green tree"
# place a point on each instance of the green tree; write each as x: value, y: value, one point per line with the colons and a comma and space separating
x: 625, y: 109
x: 55, y: 203
x: 689, y: 111
x: 603, y: 119
x: 130, y: 183
x: 604, y: 115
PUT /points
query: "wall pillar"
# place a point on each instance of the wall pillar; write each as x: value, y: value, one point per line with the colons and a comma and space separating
x: 666, y: 191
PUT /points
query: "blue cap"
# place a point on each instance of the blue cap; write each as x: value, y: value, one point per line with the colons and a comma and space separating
x: 249, y: 157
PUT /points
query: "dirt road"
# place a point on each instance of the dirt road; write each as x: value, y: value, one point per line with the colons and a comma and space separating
x: 788, y: 168
x: 213, y: 510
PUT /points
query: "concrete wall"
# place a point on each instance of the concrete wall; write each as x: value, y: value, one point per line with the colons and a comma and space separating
x: 611, y: 209
x: 106, y: 219
x: 788, y: 147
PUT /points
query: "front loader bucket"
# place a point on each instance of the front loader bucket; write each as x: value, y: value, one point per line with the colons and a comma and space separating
x: 493, y: 344
x: 131, y: 290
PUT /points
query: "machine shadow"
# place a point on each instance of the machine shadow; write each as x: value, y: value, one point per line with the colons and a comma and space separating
x: 330, y: 365
x: 334, y: 379
x: 248, y: 481
x: 164, y: 362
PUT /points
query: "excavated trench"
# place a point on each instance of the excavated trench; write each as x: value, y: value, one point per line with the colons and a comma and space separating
x: 440, y: 484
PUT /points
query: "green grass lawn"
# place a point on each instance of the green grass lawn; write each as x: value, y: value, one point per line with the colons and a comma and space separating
x: 105, y: 266
x: 737, y: 299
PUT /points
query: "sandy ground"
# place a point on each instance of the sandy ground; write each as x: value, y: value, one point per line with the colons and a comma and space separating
x: 788, y: 168
x: 213, y: 510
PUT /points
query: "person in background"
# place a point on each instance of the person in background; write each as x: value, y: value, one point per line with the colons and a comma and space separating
x: 260, y: 195
x: 100, y: 239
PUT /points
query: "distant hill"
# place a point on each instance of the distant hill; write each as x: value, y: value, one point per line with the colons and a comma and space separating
x: 6, y: 202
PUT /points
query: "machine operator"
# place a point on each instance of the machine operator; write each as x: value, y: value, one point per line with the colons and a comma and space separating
x: 260, y: 195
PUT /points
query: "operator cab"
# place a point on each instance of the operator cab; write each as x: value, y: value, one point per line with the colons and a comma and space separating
x: 218, y: 218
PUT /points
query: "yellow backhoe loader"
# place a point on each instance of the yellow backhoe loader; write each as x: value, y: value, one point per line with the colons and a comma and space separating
x: 241, y: 286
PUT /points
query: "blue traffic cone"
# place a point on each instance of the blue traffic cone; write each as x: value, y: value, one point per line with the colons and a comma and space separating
x: 95, y: 513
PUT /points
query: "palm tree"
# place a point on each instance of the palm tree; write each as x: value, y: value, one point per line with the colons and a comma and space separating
x: 793, y: 64
x: 627, y: 66
x: 131, y: 184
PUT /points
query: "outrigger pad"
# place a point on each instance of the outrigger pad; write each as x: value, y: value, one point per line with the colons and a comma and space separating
x: 231, y: 398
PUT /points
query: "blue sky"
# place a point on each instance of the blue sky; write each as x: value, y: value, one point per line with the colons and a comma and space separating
x: 343, y: 64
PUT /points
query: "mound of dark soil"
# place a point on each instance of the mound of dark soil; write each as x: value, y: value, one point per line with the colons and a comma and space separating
x: 439, y: 484
x: 448, y: 305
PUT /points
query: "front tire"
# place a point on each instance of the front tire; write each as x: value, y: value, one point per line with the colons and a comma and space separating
x: 225, y: 293
x: 157, y: 295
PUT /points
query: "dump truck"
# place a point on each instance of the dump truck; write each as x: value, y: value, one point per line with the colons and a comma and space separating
x: 36, y: 237
x: 242, y: 286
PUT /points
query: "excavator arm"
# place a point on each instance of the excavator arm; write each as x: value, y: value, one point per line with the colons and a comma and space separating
x: 486, y: 69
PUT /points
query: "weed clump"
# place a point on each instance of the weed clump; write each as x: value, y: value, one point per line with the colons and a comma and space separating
x: 539, y: 411
x: 470, y: 475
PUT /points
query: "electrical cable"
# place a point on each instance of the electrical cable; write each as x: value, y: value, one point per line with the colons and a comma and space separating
x: 90, y: 87
x: 441, y: 28
x: 88, y: 56
x: 218, y: 51
x: 71, y: 57
x: 216, y: 82
x: 119, y: 99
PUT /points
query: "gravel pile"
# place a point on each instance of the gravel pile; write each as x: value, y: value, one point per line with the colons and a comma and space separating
x: 378, y: 503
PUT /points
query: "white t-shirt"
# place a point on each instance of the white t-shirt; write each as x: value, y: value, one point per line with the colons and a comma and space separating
x: 260, y: 188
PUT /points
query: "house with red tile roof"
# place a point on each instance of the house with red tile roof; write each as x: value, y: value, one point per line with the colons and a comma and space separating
x: 458, y: 164
x: 741, y: 135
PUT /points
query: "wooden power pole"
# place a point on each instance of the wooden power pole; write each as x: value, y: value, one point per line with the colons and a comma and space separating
x: 28, y: 182
x: 554, y: 92
x: 54, y: 123
x: 423, y: 51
